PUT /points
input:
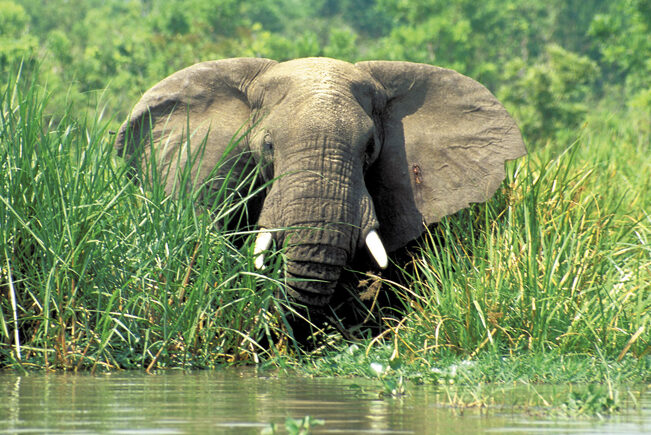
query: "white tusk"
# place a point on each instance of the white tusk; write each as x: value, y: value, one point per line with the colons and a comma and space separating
x: 376, y: 248
x: 262, y: 243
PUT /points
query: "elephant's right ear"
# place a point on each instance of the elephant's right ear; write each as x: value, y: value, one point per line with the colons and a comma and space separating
x: 445, y: 141
x: 209, y: 98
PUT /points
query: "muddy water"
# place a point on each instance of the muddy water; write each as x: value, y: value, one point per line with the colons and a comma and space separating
x: 243, y: 401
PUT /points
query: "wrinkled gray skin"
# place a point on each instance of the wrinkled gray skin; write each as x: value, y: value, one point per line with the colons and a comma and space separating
x: 385, y: 146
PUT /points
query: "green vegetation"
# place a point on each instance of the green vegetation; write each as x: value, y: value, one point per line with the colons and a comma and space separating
x: 97, y: 272
x: 296, y: 426
x: 549, y: 383
x: 550, y: 62
x: 91, y: 261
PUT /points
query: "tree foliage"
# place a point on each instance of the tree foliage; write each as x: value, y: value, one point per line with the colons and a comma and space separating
x: 550, y: 61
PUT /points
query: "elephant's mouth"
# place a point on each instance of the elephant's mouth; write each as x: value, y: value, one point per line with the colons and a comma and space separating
x: 373, y: 244
x: 314, y: 282
x: 311, y: 283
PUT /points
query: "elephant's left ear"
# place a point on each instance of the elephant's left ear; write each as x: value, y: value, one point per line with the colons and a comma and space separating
x: 446, y: 138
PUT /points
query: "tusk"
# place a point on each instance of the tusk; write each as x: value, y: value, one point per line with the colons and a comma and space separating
x: 376, y: 248
x: 262, y: 243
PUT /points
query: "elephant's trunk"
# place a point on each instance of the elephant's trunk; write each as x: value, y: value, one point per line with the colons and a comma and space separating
x: 317, y: 204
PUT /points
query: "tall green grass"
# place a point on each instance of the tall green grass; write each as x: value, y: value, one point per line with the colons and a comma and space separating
x: 560, y: 260
x: 99, y: 271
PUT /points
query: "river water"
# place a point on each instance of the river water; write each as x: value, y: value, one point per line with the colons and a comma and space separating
x: 245, y: 401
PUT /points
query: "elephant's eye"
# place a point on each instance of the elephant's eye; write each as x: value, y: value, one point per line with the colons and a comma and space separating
x: 370, y: 154
x: 267, y: 144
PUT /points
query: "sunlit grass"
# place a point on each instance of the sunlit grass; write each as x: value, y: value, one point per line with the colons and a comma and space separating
x: 105, y: 272
x: 560, y: 259
x: 101, y: 272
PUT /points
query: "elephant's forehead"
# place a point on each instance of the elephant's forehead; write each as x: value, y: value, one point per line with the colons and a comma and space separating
x: 318, y: 81
x: 317, y: 71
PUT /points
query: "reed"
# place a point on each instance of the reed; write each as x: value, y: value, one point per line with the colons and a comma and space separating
x: 559, y: 260
x: 100, y: 272
x: 103, y: 272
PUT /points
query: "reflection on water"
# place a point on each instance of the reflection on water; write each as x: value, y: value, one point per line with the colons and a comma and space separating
x: 241, y: 401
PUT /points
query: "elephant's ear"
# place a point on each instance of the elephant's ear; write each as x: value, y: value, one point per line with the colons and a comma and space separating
x: 446, y: 138
x: 205, y: 101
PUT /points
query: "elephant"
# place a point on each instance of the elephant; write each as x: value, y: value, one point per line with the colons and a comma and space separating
x: 357, y: 159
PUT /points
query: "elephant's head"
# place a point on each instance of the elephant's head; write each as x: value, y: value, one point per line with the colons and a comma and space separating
x: 360, y: 155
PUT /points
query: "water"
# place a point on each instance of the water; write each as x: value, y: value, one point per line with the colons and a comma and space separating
x: 242, y: 401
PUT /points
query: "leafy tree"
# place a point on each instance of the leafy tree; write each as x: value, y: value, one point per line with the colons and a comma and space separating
x: 621, y: 37
x: 550, y: 61
x: 552, y: 96
x: 15, y: 41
